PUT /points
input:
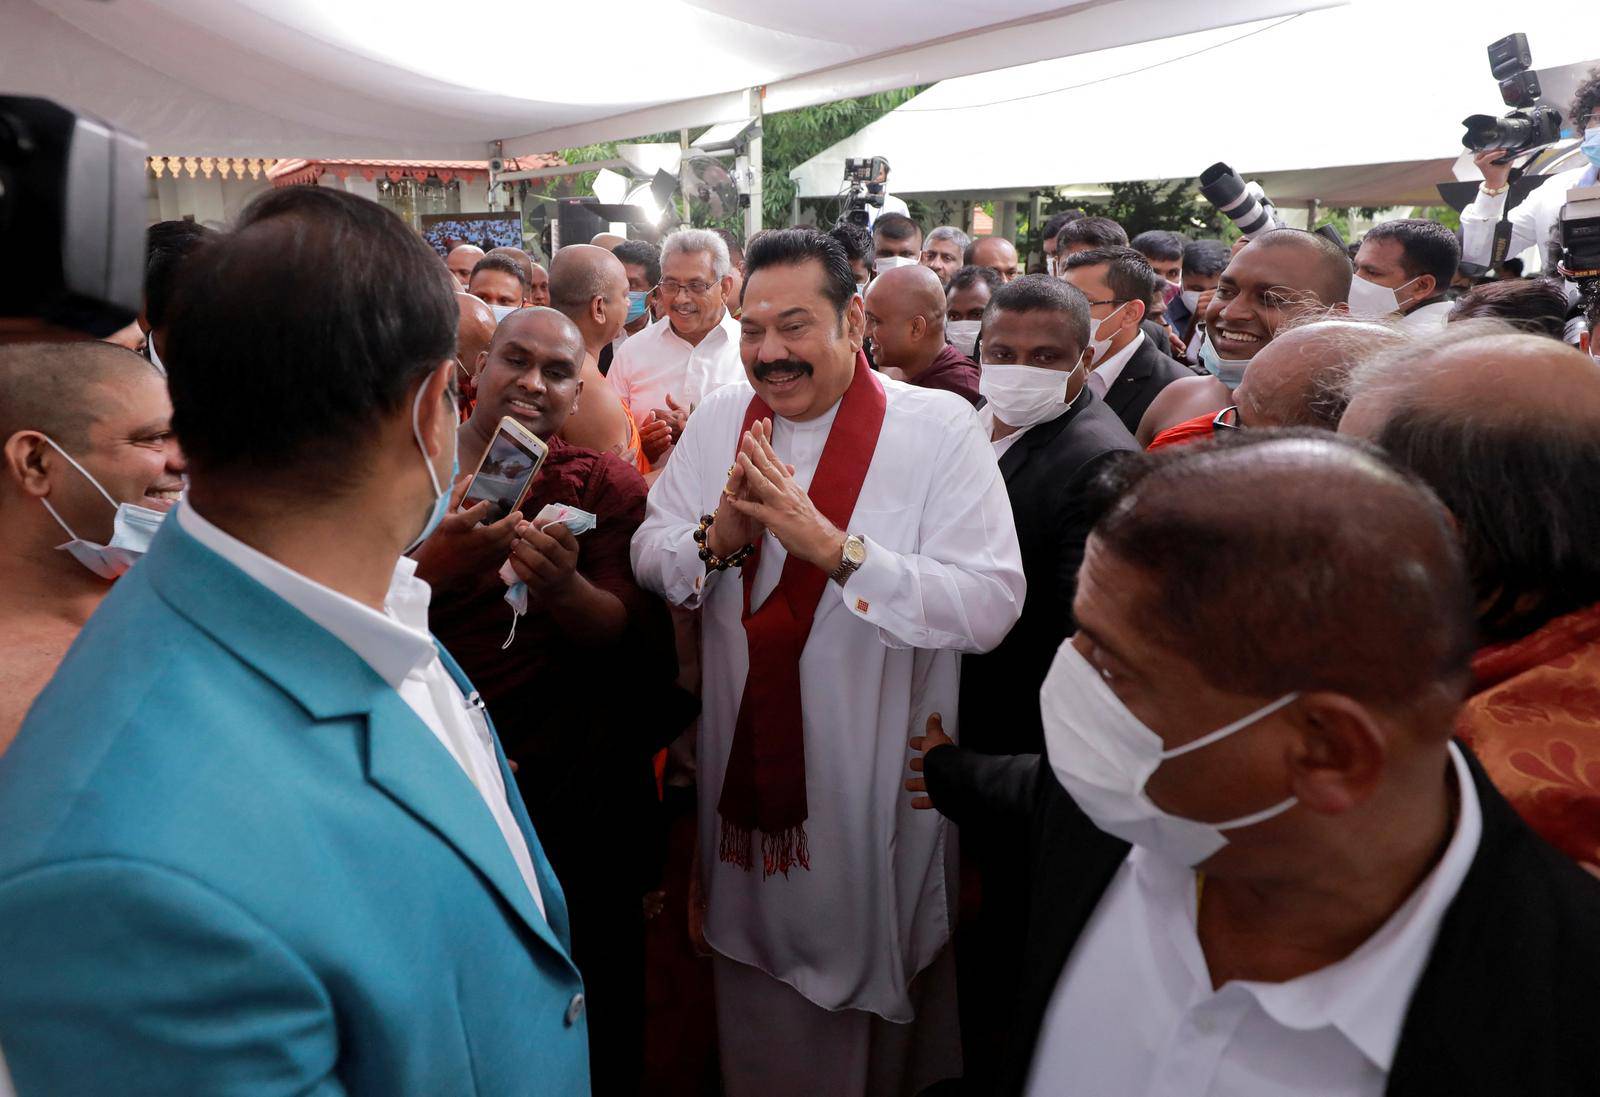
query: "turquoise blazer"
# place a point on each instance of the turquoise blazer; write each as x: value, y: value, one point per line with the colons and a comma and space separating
x: 234, y: 862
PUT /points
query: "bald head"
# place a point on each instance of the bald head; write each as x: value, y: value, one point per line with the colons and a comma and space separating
x: 905, y: 318
x: 1506, y: 428
x: 473, y: 331
x: 1367, y: 594
x: 590, y: 286
x: 62, y: 389
x: 1320, y: 267
x: 995, y: 252
x: 461, y: 260
x: 607, y: 240
x: 1299, y: 379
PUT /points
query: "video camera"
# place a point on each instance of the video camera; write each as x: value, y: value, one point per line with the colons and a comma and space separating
x: 1528, y: 125
x: 72, y: 196
x: 864, y: 177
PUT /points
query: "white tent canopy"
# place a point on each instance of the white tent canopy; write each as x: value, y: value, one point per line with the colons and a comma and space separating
x: 1355, y: 105
x: 404, y: 78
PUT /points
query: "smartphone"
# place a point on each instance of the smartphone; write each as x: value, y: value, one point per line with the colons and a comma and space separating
x: 506, y: 472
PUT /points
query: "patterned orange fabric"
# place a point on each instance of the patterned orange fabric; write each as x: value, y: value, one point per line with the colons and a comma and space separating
x: 1534, y: 722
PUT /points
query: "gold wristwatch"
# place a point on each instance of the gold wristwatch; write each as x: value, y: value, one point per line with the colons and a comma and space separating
x: 855, y: 554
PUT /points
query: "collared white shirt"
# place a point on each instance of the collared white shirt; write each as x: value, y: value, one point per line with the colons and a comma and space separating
x: 397, y: 645
x: 943, y: 575
x: 1427, y: 319
x: 1111, y: 368
x: 1134, y: 1014
x: 656, y: 362
x: 1001, y: 445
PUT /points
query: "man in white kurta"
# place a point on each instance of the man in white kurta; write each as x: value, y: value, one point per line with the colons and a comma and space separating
x: 815, y: 967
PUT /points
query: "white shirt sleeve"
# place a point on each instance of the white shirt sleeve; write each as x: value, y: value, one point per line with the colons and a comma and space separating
x: 620, y: 377
x: 1531, y: 220
x: 666, y: 558
x: 964, y: 588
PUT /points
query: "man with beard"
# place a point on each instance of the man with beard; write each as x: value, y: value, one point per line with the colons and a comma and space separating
x: 873, y: 543
x: 582, y: 756
x: 1279, y: 276
x: 88, y: 444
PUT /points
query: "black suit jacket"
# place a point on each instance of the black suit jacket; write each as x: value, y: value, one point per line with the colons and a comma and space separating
x: 1146, y: 373
x: 1506, y: 1004
x: 1045, y: 472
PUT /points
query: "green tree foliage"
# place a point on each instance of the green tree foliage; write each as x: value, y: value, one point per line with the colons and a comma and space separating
x: 1176, y: 207
x: 790, y: 138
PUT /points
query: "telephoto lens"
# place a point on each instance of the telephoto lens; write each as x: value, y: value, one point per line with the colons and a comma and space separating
x: 1221, y: 186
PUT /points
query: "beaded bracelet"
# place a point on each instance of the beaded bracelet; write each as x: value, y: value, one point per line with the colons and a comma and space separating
x: 712, y: 561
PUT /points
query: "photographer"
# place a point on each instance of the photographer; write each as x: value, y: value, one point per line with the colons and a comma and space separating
x: 1534, y: 218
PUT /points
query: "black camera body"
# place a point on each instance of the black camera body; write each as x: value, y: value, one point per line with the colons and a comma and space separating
x: 864, y: 179
x: 1529, y: 124
x: 1579, y: 233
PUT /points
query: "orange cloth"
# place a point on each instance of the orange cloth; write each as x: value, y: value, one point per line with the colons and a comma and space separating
x: 635, y: 452
x: 1197, y: 429
x: 1534, y: 722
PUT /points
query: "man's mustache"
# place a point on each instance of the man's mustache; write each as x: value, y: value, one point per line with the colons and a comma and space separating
x: 764, y: 370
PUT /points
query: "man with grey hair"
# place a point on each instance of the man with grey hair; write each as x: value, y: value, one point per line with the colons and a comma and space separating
x: 665, y: 370
x: 942, y: 252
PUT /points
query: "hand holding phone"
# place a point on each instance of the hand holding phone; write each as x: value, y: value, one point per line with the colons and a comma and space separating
x: 505, y: 474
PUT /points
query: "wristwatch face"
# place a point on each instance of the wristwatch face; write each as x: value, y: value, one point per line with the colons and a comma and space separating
x: 855, y: 551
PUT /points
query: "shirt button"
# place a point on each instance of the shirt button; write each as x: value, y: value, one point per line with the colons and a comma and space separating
x: 574, y: 1010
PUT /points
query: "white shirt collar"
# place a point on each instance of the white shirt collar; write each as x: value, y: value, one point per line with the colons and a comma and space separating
x: 1112, y: 367
x: 1365, y: 995
x: 394, y: 643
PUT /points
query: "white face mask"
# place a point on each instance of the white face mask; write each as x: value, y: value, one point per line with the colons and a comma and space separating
x: 1099, y: 346
x: 1024, y: 396
x: 1370, y: 301
x: 963, y: 334
x: 889, y: 262
x: 502, y: 311
x: 1190, y: 299
x: 1104, y: 756
x: 131, y: 531
x: 1230, y: 371
x: 861, y: 289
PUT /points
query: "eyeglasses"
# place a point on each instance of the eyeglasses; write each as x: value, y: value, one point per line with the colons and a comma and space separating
x: 1111, y: 301
x: 670, y: 287
x: 1227, y: 419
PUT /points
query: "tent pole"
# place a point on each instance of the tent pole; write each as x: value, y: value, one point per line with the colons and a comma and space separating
x: 752, y: 215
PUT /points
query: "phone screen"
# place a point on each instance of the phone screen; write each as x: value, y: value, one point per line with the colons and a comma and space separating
x: 507, y: 469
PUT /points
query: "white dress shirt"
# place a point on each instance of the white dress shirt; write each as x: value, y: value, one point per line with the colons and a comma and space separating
x: 656, y: 362
x: 1134, y: 1013
x: 943, y: 574
x: 1001, y: 445
x: 1109, y: 370
x: 1426, y: 320
x: 398, y: 646
x: 1531, y: 219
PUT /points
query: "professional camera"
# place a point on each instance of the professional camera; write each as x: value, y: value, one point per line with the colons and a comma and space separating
x: 864, y: 177
x: 1245, y: 204
x: 1579, y: 234
x: 1529, y: 124
x: 72, y: 196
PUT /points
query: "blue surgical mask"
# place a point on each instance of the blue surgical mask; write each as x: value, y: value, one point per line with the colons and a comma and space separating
x: 131, y: 533
x: 1230, y: 371
x: 636, y: 304
x: 1591, y: 145
x: 441, y: 502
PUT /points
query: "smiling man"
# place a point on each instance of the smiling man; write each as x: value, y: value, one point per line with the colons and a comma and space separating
x: 1278, y: 277
x: 582, y: 754
x: 90, y: 462
x: 861, y: 540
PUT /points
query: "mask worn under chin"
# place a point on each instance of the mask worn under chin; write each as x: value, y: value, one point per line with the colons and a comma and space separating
x: 1230, y: 371
x: 131, y: 531
x: 963, y: 334
x: 441, y: 502
x: 1103, y: 755
x: 1025, y: 396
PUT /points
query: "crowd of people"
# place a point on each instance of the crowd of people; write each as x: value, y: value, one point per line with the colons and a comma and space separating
x: 1175, y: 671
